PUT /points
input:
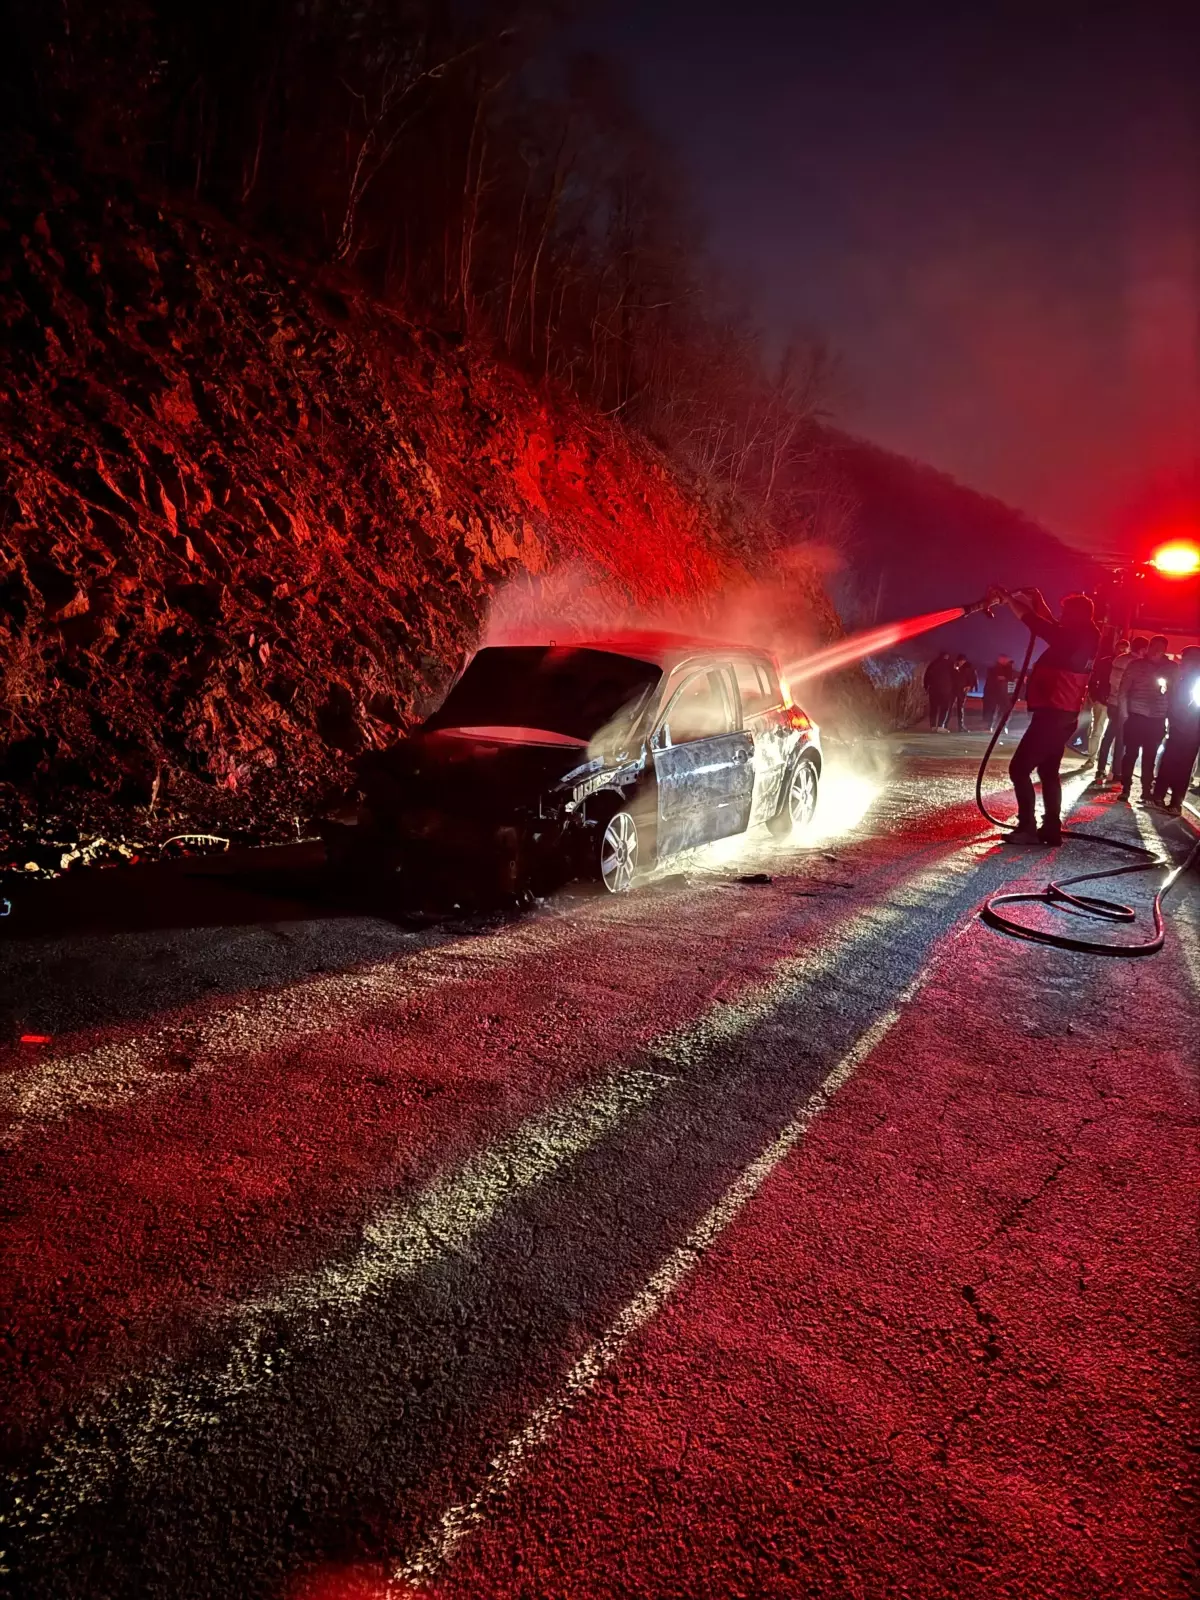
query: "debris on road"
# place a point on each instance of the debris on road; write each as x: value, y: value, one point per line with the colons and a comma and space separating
x: 191, y: 844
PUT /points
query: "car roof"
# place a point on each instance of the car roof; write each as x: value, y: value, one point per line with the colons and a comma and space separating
x: 666, y: 650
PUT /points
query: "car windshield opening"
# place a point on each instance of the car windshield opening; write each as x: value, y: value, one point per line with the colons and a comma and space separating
x: 565, y: 690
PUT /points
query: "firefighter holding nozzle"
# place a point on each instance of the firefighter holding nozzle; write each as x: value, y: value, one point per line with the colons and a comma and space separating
x: 1058, y: 686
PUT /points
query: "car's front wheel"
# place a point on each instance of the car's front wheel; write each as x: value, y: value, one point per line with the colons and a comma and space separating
x: 619, y: 847
x: 799, y: 800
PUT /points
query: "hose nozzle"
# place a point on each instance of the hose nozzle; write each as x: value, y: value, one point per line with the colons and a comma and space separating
x: 994, y: 597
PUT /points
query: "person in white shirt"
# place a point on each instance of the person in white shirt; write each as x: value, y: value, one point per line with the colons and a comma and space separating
x: 1145, y: 692
x: 1112, y: 742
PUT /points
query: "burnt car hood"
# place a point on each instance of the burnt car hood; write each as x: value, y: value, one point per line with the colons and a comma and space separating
x: 462, y: 770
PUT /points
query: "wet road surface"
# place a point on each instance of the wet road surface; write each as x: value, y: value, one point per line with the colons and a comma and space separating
x: 735, y: 1237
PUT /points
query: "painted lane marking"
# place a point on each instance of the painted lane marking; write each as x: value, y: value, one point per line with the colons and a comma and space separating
x: 1184, y: 934
x: 1189, y: 946
x: 112, y: 1074
x: 115, y: 1073
x: 140, y: 1422
x: 461, y: 1519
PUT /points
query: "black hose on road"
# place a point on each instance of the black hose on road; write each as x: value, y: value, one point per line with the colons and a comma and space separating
x: 1057, y: 893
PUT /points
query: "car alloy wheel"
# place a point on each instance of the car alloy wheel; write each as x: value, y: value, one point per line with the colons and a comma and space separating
x: 619, y: 852
x: 802, y: 794
x: 799, y: 801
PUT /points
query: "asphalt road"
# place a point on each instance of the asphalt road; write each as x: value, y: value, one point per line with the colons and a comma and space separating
x: 795, y: 1237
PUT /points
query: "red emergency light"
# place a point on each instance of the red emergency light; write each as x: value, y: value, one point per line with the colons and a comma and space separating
x: 1179, y: 559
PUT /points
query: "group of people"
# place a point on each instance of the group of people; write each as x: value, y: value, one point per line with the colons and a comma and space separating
x: 948, y: 681
x: 1139, y: 697
x: 1135, y: 703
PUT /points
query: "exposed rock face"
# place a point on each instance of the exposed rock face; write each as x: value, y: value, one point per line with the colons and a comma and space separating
x: 250, y: 521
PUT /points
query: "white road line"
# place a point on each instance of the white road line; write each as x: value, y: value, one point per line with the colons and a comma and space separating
x: 459, y: 1520
x: 1182, y: 930
x: 117, y: 1073
x: 144, y: 1418
x: 729, y: 1018
x: 1189, y: 946
x: 112, y: 1074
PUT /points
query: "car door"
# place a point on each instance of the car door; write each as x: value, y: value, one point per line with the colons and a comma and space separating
x: 702, y: 761
x: 762, y: 702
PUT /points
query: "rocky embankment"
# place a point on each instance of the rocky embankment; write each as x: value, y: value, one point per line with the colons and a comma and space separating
x: 250, y: 521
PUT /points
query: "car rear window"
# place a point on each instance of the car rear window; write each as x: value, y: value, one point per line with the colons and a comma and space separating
x: 757, y: 685
x: 769, y: 679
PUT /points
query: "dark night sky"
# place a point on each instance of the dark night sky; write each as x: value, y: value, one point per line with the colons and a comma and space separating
x: 992, y: 211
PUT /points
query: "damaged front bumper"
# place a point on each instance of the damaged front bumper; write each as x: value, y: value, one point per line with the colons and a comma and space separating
x: 435, y: 847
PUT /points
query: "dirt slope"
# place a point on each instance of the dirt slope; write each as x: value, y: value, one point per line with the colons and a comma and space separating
x: 250, y: 520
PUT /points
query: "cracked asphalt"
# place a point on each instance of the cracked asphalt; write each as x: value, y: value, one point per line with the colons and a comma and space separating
x: 798, y: 1237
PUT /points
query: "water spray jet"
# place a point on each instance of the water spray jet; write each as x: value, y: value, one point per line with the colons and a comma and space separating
x: 845, y: 652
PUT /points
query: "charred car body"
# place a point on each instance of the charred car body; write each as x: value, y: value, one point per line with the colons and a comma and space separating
x: 591, y: 760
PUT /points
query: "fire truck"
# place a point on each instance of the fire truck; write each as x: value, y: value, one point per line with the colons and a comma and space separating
x: 1158, y: 595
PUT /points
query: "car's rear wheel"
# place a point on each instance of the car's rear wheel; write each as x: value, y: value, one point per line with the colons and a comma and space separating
x: 618, y: 852
x: 799, y: 800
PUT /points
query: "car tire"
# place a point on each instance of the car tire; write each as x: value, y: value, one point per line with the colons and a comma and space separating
x: 799, y: 802
x: 618, y: 848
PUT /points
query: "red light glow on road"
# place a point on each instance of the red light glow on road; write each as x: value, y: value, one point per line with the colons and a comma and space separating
x: 1179, y: 559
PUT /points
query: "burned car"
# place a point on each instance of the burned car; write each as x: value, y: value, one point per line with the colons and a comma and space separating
x: 593, y: 760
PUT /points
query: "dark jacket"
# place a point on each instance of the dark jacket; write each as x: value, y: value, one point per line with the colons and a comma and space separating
x: 939, y: 678
x: 999, y: 675
x: 1059, y: 680
x: 1101, y: 681
x: 965, y: 678
x: 1183, y: 696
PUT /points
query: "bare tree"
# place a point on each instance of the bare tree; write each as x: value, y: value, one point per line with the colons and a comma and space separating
x: 522, y: 203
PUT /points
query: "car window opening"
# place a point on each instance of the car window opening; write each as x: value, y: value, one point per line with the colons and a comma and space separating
x: 757, y: 688
x: 701, y: 709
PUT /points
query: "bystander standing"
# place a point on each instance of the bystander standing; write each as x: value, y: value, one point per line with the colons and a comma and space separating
x: 1143, y: 706
x: 1183, y: 735
x: 939, y: 686
x: 1108, y: 758
x: 965, y: 679
x: 999, y: 685
x: 1096, y: 710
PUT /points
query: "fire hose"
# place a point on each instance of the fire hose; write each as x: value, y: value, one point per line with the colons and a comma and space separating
x: 1058, y: 893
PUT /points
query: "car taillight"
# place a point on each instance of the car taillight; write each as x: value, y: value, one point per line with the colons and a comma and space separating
x: 797, y: 719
